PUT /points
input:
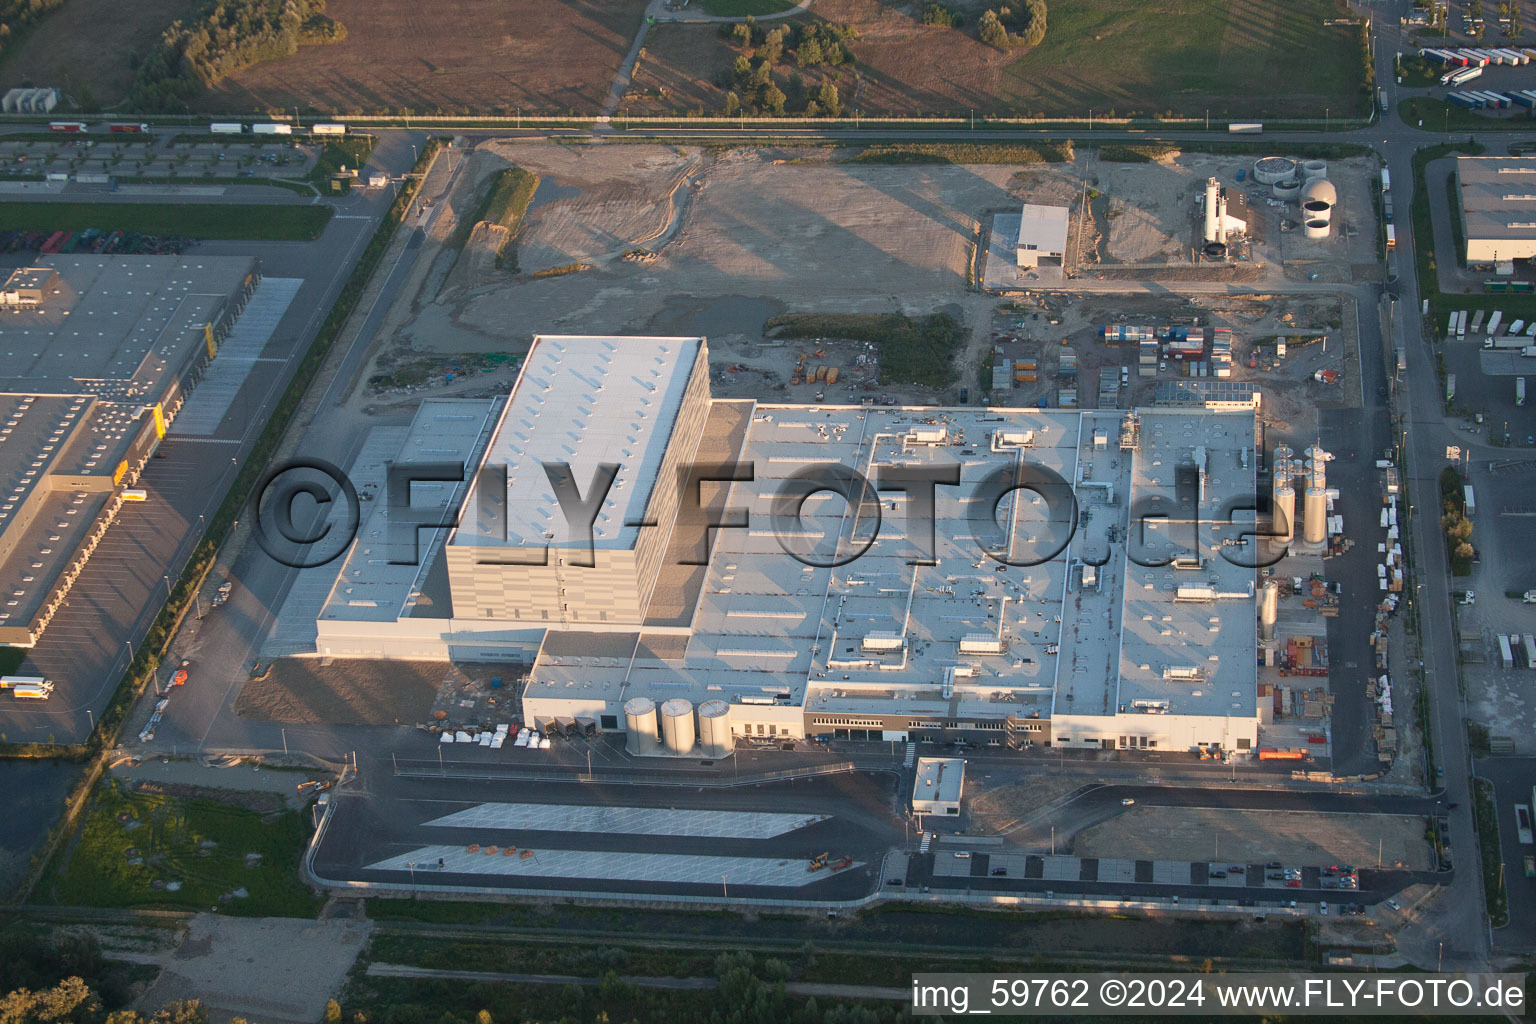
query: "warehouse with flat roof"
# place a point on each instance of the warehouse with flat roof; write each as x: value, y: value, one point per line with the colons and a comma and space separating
x: 1019, y: 576
x: 97, y: 354
x: 1497, y: 207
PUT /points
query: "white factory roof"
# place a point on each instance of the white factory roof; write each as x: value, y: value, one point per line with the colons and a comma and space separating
x: 381, y: 579
x: 1498, y: 197
x: 584, y: 401
x: 939, y: 780
x: 1044, y: 228
x: 967, y: 636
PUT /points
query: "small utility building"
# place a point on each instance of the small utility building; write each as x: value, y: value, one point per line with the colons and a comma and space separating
x: 1042, y: 234
x: 1497, y: 207
x: 940, y: 782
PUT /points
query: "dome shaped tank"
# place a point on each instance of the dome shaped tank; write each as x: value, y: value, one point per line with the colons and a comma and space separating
x: 1320, y: 190
x: 677, y: 726
x: 641, y: 733
x: 715, y: 728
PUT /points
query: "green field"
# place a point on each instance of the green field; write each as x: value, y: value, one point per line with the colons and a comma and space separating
x: 919, y: 349
x: 1435, y: 115
x: 200, y: 844
x: 1242, y: 58
x: 963, y: 153
x: 284, y: 223
x: 742, y: 8
x: 504, y: 202
x: 351, y: 152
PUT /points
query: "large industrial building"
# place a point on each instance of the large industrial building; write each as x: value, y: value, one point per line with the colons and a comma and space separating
x: 1497, y: 208
x: 98, y: 355
x: 1107, y: 607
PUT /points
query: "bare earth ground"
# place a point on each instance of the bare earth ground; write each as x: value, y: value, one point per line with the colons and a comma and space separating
x: 263, y: 969
x: 345, y: 692
x: 85, y: 45
x: 453, y: 57
x: 1295, y: 837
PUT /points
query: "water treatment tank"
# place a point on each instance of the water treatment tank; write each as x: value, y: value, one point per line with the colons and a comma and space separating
x: 641, y: 734
x: 1270, y: 169
x: 1320, y: 190
x: 1315, y: 228
x: 677, y: 726
x: 1289, y: 189
x: 1311, y: 169
x: 715, y: 728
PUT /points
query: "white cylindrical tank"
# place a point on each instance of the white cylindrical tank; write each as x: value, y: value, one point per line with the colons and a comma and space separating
x: 677, y: 725
x: 1213, y: 232
x: 1314, y: 209
x: 1311, y: 169
x: 1316, y: 519
x: 641, y: 734
x: 1285, y: 513
x: 1288, y: 189
x: 1270, y: 169
x: 1269, y: 608
x: 715, y: 728
x: 1315, y: 228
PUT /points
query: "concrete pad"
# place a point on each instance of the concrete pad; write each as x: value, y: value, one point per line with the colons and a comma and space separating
x: 636, y: 821
x: 608, y: 866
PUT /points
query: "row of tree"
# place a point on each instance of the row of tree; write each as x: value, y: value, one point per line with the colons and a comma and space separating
x: 229, y: 36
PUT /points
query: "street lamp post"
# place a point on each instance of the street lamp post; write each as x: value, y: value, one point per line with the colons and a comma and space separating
x: 724, y: 892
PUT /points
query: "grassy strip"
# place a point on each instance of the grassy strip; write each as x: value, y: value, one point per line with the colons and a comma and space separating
x: 1434, y: 115
x: 504, y: 203
x: 1136, y: 154
x: 965, y: 153
x: 561, y: 271
x: 195, y: 220
x: 292, y: 186
x: 919, y: 350
x: 1493, y: 860
x: 202, y: 844
x: 744, y: 8
x: 349, y: 151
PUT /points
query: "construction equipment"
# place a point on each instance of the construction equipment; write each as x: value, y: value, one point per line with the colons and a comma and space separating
x: 817, y: 862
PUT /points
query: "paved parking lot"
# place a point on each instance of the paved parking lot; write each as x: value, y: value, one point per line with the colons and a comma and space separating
x: 635, y: 821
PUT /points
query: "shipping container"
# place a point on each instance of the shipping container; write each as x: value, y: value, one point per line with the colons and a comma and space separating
x: 1494, y: 321
x: 328, y: 129
x: 1520, y: 391
x: 1506, y: 653
x: 1386, y: 180
x: 66, y: 126
x: 1245, y: 128
x: 1529, y: 643
x: 271, y: 129
x: 1391, y: 238
x: 128, y: 127
x: 226, y: 128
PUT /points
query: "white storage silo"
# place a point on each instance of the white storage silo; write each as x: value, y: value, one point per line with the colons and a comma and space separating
x: 1269, y: 608
x: 641, y: 735
x: 715, y: 728
x: 1311, y: 169
x: 677, y: 726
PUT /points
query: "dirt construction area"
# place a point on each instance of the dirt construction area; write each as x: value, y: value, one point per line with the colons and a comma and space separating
x: 342, y: 692
x: 1293, y: 837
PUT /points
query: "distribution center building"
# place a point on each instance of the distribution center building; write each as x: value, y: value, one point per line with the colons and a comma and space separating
x: 1046, y: 615
x: 1497, y: 207
x: 99, y: 353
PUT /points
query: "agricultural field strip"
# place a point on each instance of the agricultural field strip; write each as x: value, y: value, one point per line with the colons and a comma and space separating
x: 614, y: 866
x: 634, y: 821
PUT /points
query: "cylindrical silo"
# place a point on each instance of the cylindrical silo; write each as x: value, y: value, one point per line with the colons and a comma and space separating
x: 1285, y: 511
x: 1286, y: 189
x: 1314, y: 228
x: 1311, y: 169
x: 677, y: 725
x: 1212, y: 231
x: 715, y: 728
x: 641, y: 733
x: 1269, y: 608
x: 1316, y: 519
